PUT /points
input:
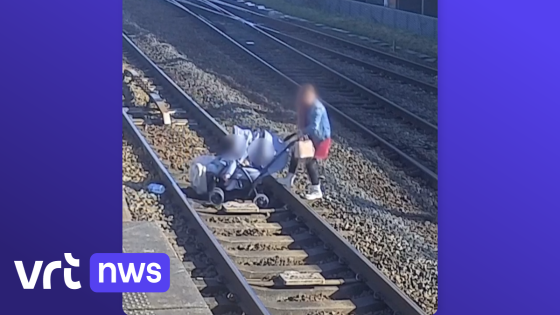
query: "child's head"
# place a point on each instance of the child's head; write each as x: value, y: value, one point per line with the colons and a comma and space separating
x: 261, y: 151
x: 226, y: 144
x: 229, y: 144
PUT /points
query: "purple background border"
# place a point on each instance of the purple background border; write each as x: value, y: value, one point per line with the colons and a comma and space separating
x: 499, y: 152
x: 62, y: 161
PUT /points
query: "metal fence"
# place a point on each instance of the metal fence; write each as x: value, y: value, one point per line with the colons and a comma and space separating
x: 374, y: 11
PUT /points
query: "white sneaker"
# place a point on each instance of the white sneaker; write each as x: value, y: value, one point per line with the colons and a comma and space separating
x: 314, y: 193
x: 287, y: 181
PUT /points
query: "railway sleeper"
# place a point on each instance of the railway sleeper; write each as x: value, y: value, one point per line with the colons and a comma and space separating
x: 328, y: 270
x: 267, y: 212
x: 302, y: 284
x: 153, y: 116
x: 342, y: 306
x: 145, y: 115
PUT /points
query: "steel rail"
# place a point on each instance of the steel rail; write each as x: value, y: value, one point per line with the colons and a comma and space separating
x: 403, y: 78
x: 366, y: 271
x: 357, y: 46
x: 390, y: 73
x: 234, y: 280
x: 399, y: 110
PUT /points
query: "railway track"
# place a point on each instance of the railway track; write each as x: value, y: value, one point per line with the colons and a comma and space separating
x: 411, y: 113
x: 407, y: 137
x: 308, y: 31
x: 203, y: 255
x: 416, y: 96
x: 373, y: 62
x: 285, y: 260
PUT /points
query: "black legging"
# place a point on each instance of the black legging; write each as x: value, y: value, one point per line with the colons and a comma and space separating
x: 311, y: 166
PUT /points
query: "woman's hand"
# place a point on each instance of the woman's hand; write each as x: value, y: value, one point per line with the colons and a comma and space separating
x: 301, y: 136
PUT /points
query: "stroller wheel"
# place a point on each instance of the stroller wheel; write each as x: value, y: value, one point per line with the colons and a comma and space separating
x: 261, y: 200
x: 217, y: 196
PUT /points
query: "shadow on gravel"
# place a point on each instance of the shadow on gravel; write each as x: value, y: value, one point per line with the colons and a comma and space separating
x: 136, y: 186
x: 417, y: 217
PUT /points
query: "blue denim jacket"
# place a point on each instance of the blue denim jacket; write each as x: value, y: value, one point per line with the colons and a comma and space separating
x: 318, y: 126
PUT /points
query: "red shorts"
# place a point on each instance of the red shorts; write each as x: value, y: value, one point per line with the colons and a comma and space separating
x: 322, y: 149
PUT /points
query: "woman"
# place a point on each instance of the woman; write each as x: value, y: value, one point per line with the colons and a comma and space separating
x: 313, y: 123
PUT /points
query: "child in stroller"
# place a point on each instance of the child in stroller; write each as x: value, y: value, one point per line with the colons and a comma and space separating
x: 246, y: 158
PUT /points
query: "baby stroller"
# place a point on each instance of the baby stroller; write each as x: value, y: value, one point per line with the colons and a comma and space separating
x: 249, y: 185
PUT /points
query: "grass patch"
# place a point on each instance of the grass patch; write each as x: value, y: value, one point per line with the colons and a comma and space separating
x: 358, y: 26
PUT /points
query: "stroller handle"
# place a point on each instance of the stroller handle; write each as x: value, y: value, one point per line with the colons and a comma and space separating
x: 289, y: 137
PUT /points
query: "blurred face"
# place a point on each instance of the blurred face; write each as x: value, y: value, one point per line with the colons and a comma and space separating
x: 308, y: 98
x: 260, y: 151
x: 227, y: 144
x: 231, y: 144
